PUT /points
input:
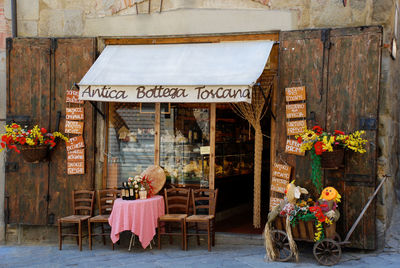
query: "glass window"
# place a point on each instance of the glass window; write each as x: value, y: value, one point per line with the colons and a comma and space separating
x: 185, y: 140
x: 130, y: 141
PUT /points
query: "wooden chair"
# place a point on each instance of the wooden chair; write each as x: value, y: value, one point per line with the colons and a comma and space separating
x: 105, y: 200
x: 82, y: 202
x: 177, y: 207
x: 204, y: 205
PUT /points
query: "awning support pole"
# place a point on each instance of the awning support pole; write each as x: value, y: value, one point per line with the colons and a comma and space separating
x: 98, y: 110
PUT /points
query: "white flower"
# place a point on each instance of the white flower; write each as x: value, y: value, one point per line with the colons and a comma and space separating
x: 136, y: 186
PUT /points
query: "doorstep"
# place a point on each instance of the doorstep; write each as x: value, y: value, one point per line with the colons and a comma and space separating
x: 223, y: 238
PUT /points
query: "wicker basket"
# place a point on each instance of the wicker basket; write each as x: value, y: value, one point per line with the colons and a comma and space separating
x: 333, y: 160
x: 33, y: 154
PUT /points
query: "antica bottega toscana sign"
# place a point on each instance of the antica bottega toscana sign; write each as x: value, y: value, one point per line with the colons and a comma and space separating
x: 166, y: 93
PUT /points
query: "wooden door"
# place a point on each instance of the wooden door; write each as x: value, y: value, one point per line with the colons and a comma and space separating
x: 39, y: 71
x: 72, y: 59
x: 340, y: 69
x: 28, y: 102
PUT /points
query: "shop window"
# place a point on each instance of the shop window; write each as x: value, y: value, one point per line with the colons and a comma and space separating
x: 130, y: 141
x: 185, y: 143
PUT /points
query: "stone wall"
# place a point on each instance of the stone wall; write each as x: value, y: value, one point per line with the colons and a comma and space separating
x: 64, y: 18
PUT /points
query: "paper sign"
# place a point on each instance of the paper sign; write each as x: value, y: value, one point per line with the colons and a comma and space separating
x: 75, y: 143
x: 204, y: 150
x: 281, y: 171
x: 75, y: 168
x: 293, y: 147
x: 75, y: 113
x: 76, y: 156
x: 274, y: 201
x: 296, y: 110
x: 72, y: 96
x: 278, y: 185
x: 295, y: 127
x: 295, y: 93
x: 73, y: 127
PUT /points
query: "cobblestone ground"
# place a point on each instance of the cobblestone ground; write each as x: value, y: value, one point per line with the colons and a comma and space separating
x: 222, y: 255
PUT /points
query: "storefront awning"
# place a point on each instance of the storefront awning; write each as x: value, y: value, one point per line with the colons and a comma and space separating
x: 212, y: 72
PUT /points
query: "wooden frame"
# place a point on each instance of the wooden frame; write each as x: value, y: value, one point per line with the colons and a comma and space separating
x: 181, y: 39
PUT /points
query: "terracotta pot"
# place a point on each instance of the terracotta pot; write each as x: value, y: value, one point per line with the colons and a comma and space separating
x: 34, y: 154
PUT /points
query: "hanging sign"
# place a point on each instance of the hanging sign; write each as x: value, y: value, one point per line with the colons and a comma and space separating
x: 295, y: 93
x: 75, y: 168
x: 296, y: 110
x: 72, y: 96
x: 281, y: 171
x: 73, y: 127
x: 295, y: 127
x: 293, y: 147
x: 76, y: 156
x: 75, y: 113
x: 75, y: 143
x: 274, y: 201
x: 278, y: 185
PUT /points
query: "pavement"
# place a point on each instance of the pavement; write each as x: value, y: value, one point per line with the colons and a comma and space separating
x: 228, y: 252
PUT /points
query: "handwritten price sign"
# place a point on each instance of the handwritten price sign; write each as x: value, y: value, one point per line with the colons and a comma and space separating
x: 295, y: 127
x: 74, y: 113
x: 75, y: 168
x: 296, y: 110
x: 73, y: 127
x: 293, y: 147
x: 295, y: 93
x: 75, y: 143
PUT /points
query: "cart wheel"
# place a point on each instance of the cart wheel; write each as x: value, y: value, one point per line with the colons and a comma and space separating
x: 281, y: 243
x: 327, y: 252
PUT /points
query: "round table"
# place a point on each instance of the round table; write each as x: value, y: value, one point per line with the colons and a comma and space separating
x: 138, y: 216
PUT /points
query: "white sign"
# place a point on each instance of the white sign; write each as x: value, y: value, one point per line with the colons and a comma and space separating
x: 184, y: 94
x: 204, y: 150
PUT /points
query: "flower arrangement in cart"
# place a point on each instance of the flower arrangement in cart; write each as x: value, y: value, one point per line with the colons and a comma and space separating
x: 318, y: 141
x: 16, y: 136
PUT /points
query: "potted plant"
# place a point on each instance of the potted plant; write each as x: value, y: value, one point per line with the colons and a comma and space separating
x: 327, y: 149
x: 33, y: 143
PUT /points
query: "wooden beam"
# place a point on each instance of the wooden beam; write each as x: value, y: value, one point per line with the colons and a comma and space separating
x: 211, y: 176
x: 105, y: 155
x: 252, y: 36
x: 157, y: 134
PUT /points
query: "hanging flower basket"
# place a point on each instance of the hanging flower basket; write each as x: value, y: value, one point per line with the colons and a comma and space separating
x: 34, y: 154
x: 333, y: 160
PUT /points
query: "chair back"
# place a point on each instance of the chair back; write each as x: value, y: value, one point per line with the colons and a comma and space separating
x: 83, y: 202
x: 177, y: 200
x: 204, y: 201
x: 105, y: 200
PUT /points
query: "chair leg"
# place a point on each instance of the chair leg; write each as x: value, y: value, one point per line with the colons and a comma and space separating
x: 170, y: 236
x: 59, y: 235
x: 183, y: 234
x: 209, y: 236
x: 213, y: 233
x: 90, y: 234
x: 197, y: 234
x: 159, y: 234
x: 77, y: 232
x: 80, y: 235
x: 102, y: 231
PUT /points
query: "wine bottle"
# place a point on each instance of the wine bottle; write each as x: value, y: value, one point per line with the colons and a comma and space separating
x: 123, y: 195
x: 126, y: 191
x: 131, y: 195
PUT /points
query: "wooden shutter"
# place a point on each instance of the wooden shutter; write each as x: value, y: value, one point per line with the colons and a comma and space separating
x: 28, y: 102
x: 340, y: 69
x: 39, y: 70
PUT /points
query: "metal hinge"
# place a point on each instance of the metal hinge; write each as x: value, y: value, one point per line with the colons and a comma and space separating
x: 54, y: 45
x: 325, y: 38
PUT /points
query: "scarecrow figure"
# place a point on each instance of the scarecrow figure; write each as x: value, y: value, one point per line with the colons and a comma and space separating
x: 328, y: 203
x: 293, y: 193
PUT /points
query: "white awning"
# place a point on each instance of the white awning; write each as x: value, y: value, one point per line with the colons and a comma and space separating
x: 211, y: 72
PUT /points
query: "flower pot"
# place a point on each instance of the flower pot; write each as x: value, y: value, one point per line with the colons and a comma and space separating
x: 143, y: 194
x: 34, y: 154
x: 333, y: 160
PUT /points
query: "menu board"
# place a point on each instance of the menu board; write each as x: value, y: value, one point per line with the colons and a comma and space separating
x: 295, y: 93
x: 296, y: 110
x: 76, y: 155
x: 75, y: 143
x: 295, y: 127
x: 293, y: 147
x: 73, y: 127
x: 281, y: 171
x: 75, y: 168
x: 72, y: 96
x: 74, y: 113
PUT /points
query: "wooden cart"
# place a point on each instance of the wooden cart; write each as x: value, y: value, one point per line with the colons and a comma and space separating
x: 328, y: 251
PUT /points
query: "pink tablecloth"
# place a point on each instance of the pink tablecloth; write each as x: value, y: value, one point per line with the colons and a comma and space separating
x: 138, y: 216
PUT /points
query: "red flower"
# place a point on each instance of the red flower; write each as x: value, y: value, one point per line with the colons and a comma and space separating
x: 14, y: 126
x: 318, y: 130
x: 22, y: 140
x: 3, y: 145
x: 4, y: 138
x: 299, y: 140
x: 43, y: 130
x: 318, y: 147
x: 338, y: 132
